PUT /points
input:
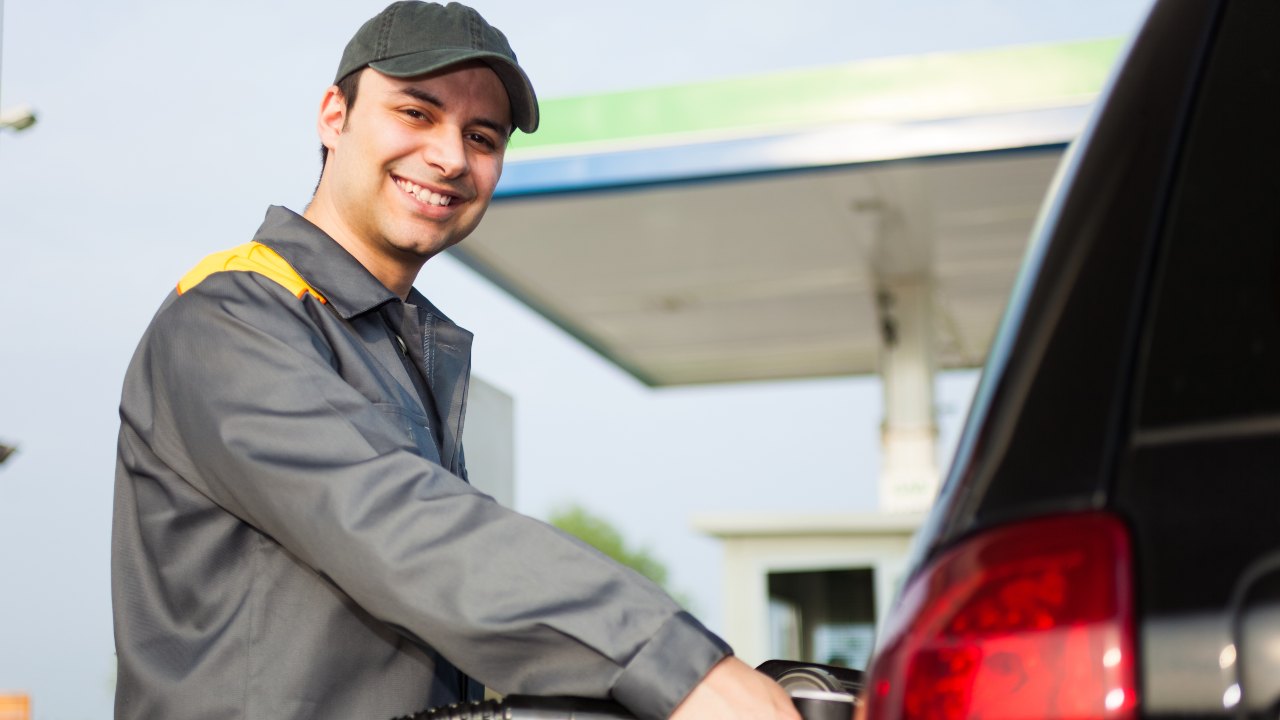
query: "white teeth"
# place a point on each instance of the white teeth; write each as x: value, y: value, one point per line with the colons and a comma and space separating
x: 423, y: 194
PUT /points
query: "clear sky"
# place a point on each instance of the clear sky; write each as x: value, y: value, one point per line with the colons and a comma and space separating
x: 166, y: 128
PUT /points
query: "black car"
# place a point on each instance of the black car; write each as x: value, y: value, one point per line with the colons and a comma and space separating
x: 1107, y: 542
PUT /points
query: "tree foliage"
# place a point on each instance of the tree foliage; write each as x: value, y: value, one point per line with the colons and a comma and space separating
x: 603, y: 536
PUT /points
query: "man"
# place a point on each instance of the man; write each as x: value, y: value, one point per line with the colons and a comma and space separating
x: 294, y: 536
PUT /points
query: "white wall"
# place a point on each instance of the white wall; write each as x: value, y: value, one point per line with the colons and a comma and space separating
x: 489, y: 441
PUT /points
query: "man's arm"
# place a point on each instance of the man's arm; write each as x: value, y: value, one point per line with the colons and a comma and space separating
x: 246, y: 405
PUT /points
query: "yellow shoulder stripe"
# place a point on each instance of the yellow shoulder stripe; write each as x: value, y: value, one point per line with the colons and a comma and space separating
x: 250, y: 257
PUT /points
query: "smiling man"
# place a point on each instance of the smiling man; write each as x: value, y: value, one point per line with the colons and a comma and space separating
x: 411, y: 167
x: 294, y: 535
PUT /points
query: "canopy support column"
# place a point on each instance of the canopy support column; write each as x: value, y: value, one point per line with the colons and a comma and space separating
x: 909, y: 468
x: 899, y: 244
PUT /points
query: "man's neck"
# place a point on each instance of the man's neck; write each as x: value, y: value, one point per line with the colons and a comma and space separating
x: 396, y: 276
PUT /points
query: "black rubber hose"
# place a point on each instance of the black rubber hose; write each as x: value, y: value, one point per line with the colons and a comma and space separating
x: 525, y: 707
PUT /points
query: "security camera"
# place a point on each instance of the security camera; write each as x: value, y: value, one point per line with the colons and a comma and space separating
x: 18, y: 118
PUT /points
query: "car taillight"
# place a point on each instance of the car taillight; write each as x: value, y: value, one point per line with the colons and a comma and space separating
x: 1032, y: 620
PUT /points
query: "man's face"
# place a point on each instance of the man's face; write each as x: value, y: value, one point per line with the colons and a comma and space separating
x: 412, y: 167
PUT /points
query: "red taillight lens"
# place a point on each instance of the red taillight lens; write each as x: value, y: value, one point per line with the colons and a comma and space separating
x: 1032, y: 620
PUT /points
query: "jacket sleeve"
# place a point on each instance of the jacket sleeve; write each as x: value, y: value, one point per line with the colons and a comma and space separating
x: 248, y: 407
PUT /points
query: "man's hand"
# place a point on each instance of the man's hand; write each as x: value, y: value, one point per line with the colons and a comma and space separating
x: 734, y: 691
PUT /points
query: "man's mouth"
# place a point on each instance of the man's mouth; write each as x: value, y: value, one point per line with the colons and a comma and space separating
x: 423, y: 194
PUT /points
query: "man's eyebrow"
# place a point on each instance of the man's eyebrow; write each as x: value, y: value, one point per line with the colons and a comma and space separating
x: 423, y: 96
x: 497, y: 127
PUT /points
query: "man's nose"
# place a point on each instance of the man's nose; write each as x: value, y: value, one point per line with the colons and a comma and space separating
x: 445, y: 150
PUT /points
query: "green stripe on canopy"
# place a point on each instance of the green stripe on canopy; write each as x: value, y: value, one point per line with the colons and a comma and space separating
x: 888, y: 89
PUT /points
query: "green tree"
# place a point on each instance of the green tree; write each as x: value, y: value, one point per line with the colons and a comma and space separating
x: 603, y: 536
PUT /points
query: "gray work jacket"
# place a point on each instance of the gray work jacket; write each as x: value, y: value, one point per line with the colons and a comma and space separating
x: 289, y: 541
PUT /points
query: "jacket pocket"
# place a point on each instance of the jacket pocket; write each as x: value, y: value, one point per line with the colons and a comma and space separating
x: 416, y: 428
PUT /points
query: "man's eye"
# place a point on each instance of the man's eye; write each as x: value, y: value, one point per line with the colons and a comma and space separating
x: 415, y: 114
x: 482, y: 140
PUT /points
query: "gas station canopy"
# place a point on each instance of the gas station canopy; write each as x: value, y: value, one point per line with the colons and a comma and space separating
x: 767, y: 227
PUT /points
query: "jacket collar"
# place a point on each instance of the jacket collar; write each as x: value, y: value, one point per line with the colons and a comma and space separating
x: 322, y: 262
x: 352, y: 290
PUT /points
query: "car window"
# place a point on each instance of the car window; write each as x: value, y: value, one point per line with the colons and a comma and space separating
x: 1213, y: 348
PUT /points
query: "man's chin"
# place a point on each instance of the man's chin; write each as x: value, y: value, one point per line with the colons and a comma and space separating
x: 421, y: 249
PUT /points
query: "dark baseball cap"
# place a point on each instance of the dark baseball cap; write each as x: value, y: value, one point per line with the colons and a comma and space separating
x: 413, y: 38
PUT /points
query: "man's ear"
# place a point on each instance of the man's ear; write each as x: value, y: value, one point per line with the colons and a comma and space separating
x: 333, y: 117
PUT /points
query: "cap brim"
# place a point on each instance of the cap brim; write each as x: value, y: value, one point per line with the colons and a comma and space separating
x: 524, y: 104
